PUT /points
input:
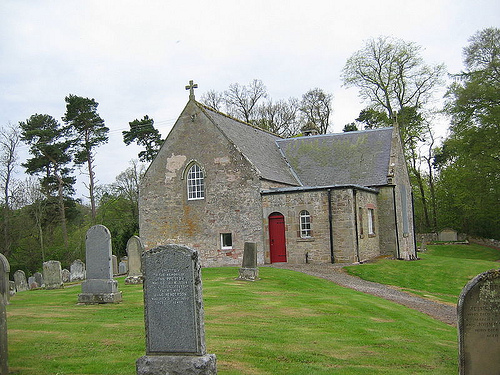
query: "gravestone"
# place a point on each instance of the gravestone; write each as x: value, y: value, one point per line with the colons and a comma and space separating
x: 20, y: 280
x: 12, y: 288
x: 249, y: 270
x: 114, y: 260
x: 4, y: 279
x: 39, y: 279
x: 66, y: 276
x: 479, y: 325
x: 122, y: 268
x: 174, y: 315
x: 448, y: 235
x: 32, y: 284
x: 77, y: 270
x: 4, y: 368
x: 135, y: 248
x: 52, y: 274
x: 99, y: 287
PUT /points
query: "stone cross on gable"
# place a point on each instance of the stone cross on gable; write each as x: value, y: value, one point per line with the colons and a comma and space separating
x: 191, y: 88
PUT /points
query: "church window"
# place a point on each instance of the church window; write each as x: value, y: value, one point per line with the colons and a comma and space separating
x: 226, y: 241
x: 305, y: 224
x: 371, y: 221
x: 195, y: 183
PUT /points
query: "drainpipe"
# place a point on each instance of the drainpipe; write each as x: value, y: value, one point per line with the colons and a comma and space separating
x: 414, y: 228
x: 354, y: 192
x: 398, y: 255
x: 330, y: 221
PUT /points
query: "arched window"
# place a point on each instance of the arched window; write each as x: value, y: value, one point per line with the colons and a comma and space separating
x: 195, y: 183
x: 305, y: 224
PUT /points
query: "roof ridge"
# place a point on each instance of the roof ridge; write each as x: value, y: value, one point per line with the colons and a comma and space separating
x: 203, y: 106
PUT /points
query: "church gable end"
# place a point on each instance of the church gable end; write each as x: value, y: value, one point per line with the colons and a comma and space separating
x: 200, y: 191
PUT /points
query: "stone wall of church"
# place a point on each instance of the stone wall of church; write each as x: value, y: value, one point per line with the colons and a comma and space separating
x: 368, y: 224
x: 232, y: 194
x: 316, y: 248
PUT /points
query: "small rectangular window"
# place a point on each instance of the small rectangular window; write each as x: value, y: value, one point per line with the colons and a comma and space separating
x: 305, y: 224
x: 371, y: 221
x: 226, y: 241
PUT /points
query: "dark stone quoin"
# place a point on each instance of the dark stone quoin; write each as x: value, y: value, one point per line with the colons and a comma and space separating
x: 479, y: 325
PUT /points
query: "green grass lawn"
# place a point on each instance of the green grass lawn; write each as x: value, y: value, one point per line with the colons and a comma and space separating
x: 287, y: 323
x: 440, y: 274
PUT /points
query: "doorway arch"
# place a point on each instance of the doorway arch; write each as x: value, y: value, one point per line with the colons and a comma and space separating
x: 277, y: 239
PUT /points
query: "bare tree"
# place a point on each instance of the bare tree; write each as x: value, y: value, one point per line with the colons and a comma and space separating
x: 10, y: 138
x: 390, y: 74
x: 280, y: 118
x: 241, y: 101
x: 316, y: 108
x: 213, y: 99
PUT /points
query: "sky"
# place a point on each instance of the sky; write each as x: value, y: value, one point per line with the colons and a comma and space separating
x: 136, y: 57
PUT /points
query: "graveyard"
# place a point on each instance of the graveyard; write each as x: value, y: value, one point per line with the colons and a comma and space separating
x: 285, y: 323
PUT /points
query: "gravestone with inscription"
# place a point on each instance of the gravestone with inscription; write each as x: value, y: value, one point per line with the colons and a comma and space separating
x: 479, y: 325
x: 4, y: 279
x: 249, y: 270
x: 77, y: 270
x: 39, y: 279
x: 114, y: 261
x: 135, y: 248
x: 20, y: 280
x: 52, y: 274
x: 99, y: 287
x: 174, y: 315
x: 4, y: 368
x: 66, y: 275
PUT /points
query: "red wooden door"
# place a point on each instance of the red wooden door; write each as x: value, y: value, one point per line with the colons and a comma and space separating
x: 277, y: 241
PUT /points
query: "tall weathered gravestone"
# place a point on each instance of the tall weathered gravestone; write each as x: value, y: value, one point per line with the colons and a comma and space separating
x: 66, y: 275
x: 135, y: 248
x: 77, y: 270
x: 4, y: 368
x: 479, y: 325
x: 52, y: 275
x: 39, y: 279
x: 20, y: 280
x: 174, y: 315
x: 249, y: 270
x: 4, y: 279
x: 99, y: 287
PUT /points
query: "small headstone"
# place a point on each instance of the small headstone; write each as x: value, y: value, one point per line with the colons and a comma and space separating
x: 52, y: 274
x: 12, y: 288
x: 99, y: 287
x: 32, y: 282
x: 479, y: 325
x: 249, y: 270
x: 4, y: 367
x: 20, y: 280
x: 77, y: 270
x: 39, y: 279
x: 4, y: 279
x: 135, y: 248
x: 174, y: 315
x: 122, y: 268
x: 114, y: 259
x: 448, y: 235
x: 66, y: 276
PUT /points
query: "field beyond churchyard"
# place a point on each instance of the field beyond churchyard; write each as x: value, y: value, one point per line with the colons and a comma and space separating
x: 286, y: 323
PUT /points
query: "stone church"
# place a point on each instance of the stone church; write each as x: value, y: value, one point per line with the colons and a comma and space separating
x: 218, y: 182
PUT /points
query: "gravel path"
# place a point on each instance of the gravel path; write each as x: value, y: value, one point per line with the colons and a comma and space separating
x: 334, y: 272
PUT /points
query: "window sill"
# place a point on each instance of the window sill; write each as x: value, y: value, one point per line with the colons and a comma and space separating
x: 308, y: 239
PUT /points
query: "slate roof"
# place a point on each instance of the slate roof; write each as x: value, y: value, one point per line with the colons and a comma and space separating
x: 257, y: 145
x: 360, y: 158
x: 351, y: 158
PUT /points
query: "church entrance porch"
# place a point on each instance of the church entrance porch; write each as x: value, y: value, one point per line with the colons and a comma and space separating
x: 277, y: 241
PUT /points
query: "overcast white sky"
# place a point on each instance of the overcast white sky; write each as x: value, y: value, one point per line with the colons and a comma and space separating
x: 135, y: 57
